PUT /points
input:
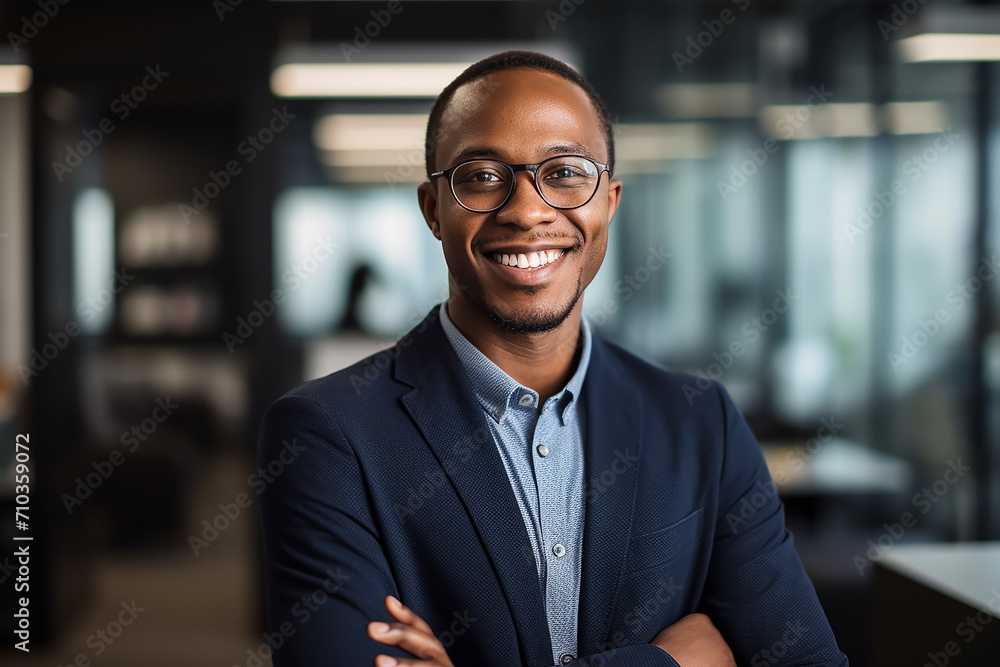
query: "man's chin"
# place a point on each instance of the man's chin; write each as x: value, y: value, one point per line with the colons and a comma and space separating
x: 530, y: 322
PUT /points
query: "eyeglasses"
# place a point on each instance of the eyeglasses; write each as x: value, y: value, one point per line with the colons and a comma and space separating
x: 563, y: 181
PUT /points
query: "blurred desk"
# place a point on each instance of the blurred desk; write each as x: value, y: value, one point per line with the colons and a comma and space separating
x: 837, y: 466
x: 938, y: 605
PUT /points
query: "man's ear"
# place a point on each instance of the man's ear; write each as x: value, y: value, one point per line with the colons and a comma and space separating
x: 427, y: 196
x: 614, y: 197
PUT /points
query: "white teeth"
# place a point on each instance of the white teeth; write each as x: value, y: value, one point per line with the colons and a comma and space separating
x: 528, y: 260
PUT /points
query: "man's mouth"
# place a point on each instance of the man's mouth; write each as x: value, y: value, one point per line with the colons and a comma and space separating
x: 528, y: 260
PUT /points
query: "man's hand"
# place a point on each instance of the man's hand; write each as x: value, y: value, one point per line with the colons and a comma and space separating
x: 410, y: 634
x: 694, y: 641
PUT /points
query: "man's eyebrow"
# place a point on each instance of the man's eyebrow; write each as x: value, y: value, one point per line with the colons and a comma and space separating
x: 571, y: 149
x: 496, y: 153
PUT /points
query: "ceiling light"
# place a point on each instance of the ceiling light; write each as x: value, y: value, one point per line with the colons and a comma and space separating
x: 949, y: 47
x: 14, y: 78
x: 363, y: 79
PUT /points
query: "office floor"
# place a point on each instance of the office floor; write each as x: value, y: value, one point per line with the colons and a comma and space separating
x: 189, y: 610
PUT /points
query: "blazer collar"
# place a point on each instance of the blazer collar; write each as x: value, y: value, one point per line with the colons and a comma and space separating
x: 442, y: 405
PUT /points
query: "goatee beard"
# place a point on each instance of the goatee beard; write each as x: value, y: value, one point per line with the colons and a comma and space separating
x: 534, y: 324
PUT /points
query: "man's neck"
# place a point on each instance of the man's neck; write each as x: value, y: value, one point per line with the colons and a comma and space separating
x: 542, y: 361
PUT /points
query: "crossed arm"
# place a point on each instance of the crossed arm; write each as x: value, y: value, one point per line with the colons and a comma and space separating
x: 692, y: 641
x: 318, y: 535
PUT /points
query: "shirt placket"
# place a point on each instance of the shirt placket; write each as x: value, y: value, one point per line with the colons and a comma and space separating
x: 553, y: 466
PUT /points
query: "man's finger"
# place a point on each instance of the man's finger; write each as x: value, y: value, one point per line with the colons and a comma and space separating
x: 403, y: 613
x: 408, y: 662
x: 421, y: 644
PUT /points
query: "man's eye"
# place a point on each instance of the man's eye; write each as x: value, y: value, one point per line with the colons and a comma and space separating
x: 482, y: 177
x: 565, y: 172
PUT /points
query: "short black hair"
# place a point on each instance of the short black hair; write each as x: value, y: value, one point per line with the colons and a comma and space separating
x: 509, y: 60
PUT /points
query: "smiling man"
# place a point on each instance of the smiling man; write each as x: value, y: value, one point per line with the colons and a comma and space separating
x: 505, y: 487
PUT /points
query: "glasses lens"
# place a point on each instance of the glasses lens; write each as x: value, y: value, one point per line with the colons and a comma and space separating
x: 567, y: 181
x: 482, y: 185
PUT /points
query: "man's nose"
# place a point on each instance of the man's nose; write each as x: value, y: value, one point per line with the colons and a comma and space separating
x: 525, y: 208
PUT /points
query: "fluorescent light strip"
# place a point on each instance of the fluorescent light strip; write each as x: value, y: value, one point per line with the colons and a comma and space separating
x: 829, y: 120
x: 375, y: 175
x: 915, y: 117
x: 852, y: 119
x: 14, y: 78
x: 372, y: 158
x: 370, y: 131
x: 949, y: 47
x: 662, y: 141
x: 363, y: 79
x: 707, y: 100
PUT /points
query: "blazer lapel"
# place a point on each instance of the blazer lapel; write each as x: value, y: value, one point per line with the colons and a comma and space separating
x: 613, y: 434
x: 444, y: 408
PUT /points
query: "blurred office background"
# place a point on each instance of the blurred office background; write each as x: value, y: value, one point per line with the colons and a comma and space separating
x: 204, y: 204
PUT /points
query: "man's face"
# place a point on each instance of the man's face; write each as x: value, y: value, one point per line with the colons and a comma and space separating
x: 520, y: 116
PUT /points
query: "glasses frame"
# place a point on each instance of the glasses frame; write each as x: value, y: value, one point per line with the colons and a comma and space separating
x: 449, y: 173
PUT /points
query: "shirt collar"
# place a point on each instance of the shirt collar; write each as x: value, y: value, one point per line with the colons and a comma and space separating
x: 495, y: 389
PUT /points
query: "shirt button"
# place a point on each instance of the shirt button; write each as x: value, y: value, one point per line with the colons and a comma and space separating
x: 543, y: 450
x: 566, y: 658
x: 526, y: 400
x: 560, y: 551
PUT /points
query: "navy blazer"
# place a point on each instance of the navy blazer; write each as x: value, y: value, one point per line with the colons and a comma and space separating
x: 391, y: 484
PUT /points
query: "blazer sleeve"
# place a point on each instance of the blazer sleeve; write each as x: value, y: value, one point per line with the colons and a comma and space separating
x: 757, y: 592
x: 325, y: 573
x: 632, y: 655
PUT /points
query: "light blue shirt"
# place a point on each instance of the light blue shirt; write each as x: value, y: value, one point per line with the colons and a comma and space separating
x: 543, y: 455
